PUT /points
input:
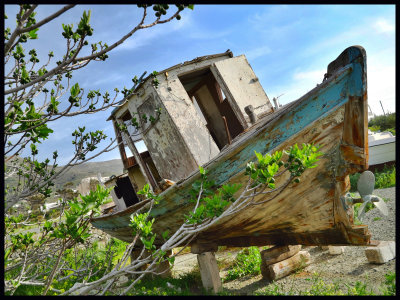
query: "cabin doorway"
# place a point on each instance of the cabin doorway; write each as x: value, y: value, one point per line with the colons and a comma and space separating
x: 212, y: 106
x: 124, y: 189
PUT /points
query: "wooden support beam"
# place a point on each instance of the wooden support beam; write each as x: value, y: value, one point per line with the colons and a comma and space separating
x: 287, y: 266
x: 209, y: 271
x: 121, y: 144
x: 278, y: 253
x: 198, y: 248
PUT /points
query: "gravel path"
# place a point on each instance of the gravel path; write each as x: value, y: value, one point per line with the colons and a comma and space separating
x: 349, y: 267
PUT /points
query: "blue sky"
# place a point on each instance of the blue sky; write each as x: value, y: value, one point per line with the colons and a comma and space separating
x: 288, y: 47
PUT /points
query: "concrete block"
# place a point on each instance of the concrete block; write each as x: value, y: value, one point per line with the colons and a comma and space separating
x: 336, y: 250
x: 209, y: 271
x: 286, y: 267
x: 278, y: 253
x: 385, y: 251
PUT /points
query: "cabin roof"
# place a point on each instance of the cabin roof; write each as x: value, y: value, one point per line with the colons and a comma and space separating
x: 195, y: 60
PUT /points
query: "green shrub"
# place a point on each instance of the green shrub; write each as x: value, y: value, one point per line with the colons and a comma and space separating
x: 186, y: 284
x: 384, y: 122
x: 319, y: 287
x: 392, y: 131
x: 384, y: 179
x: 359, y: 289
x: 390, y: 284
x: 353, y: 181
x: 247, y: 261
x: 374, y: 128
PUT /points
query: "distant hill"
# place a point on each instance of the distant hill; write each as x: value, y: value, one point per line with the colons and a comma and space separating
x: 89, y: 169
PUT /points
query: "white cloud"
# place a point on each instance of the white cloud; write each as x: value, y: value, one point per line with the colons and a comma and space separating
x: 257, y: 52
x: 201, y: 34
x: 303, y: 82
x: 381, y: 85
x: 106, y: 79
x: 360, y: 34
x: 381, y: 82
x: 146, y: 36
x: 310, y: 76
x: 383, y: 26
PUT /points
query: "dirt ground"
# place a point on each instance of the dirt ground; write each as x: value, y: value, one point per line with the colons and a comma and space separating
x: 346, y: 268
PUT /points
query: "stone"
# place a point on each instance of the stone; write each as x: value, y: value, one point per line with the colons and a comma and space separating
x: 209, y: 271
x: 284, y: 268
x: 336, y: 250
x: 278, y: 253
x: 385, y: 251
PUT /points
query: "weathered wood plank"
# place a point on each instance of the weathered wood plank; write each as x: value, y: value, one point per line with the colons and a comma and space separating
x: 287, y: 266
x: 209, y: 271
x: 278, y: 253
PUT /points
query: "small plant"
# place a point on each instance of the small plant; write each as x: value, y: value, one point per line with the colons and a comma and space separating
x: 377, y: 218
x: 390, y: 284
x: 359, y: 289
x: 186, y: 284
x: 386, y: 178
x: 273, y: 290
x: 247, y: 262
x: 301, y: 264
x: 319, y: 287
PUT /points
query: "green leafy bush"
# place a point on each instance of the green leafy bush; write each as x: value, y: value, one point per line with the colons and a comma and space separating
x: 247, y: 262
x: 390, y: 284
x: 384, y: 122
x: 384, y: 179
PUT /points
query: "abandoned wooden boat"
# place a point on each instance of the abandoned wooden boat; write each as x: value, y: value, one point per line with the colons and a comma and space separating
x: 206, y: 120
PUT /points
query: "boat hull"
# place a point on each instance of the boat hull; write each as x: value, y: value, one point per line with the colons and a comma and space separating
x: 333, y: 115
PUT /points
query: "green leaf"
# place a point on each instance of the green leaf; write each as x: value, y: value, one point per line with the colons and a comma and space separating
x: 32, y: 34
x: 165, y: 234
x: 75, y: 90
x: 259, y: 156
x: 201, y: 169
x: 43, y: 131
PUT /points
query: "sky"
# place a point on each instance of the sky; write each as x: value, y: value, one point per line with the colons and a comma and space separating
x: 288, y: 46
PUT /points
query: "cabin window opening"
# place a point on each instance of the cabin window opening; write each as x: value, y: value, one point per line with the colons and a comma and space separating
x: 141, y: 146
x: 128, y: 151
x: 133, y: 132
x: 222, y: 94
x: 212, y: 106
x: 137, y: 142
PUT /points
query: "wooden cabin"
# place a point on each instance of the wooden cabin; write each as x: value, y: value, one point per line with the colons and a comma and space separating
x: 203, y: 103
